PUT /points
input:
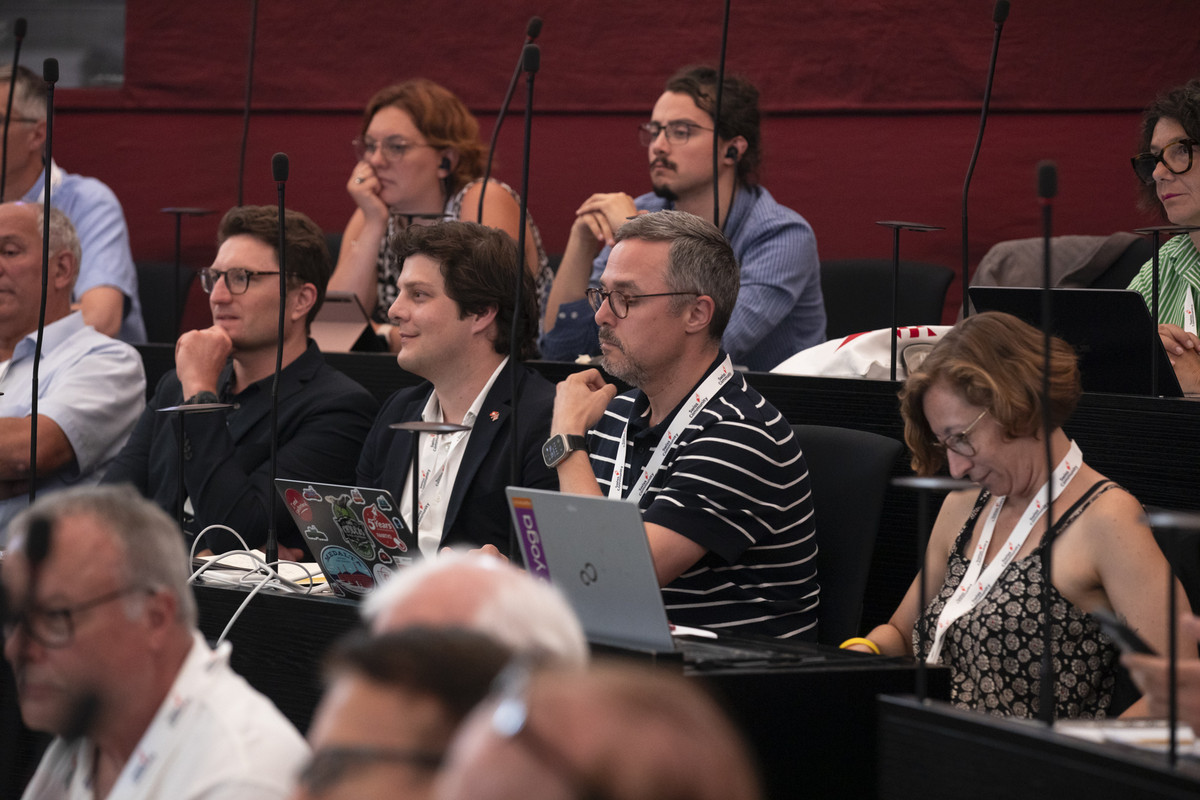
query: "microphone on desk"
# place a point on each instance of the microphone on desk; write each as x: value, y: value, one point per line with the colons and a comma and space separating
x: 19, y: 35
x: 999, y: 15
x: 1047, y: 189
x: 279, y: 170
x: 531, y: 61
x: 50, y: 76
x: 533, y: 29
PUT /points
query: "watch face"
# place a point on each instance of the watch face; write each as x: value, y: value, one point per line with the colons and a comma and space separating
x: 554, y: 449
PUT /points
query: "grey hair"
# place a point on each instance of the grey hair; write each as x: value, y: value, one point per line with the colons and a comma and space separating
x: 153, y: 547
x: 525, y: 614
x: 700, y: 260
x: 62, y: 233
x: 29, y: 97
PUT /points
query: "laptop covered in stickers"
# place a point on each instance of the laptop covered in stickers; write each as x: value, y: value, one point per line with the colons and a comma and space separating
x: 354, y: 533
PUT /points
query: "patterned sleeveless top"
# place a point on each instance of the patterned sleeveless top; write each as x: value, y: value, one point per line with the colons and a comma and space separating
x: 994, y: 651
x: 388, y: 271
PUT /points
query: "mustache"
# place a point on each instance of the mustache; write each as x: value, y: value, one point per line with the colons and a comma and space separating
x: 608, y: 337
x: 662, y: 161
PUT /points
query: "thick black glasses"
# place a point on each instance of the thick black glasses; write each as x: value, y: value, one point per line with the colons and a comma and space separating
x: 620, y: 302
x: 678, y: 132
x: 237, y: 280
x: 393, y: 147
x: 329, y: 766
x: 55, y: 627
x: 1176, y: 157
x: 959, y: 442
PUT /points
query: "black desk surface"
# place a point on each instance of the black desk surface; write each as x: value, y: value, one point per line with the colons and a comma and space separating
x: 937, y: 752
x: 813, y: 726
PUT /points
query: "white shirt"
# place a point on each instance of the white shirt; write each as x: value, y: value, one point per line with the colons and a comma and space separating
x: 213, y: 738
x: 441, y: 458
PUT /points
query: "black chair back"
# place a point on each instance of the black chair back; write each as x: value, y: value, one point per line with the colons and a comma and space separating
x: 858, y: 294
x: 849, y: 471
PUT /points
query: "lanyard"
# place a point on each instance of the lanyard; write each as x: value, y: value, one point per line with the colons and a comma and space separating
x: 974, y: 586
x: 1189, y: 311
x: 707, y: 389
x: 441, y: 448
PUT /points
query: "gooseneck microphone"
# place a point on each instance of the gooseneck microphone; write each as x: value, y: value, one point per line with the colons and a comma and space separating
x: 279, y: 170
x: 50, y: 76
x: 19, y: 35
x: 1047, y: 189
x: 999, y: 15
x: 716, y: 115
x: 530, y: 62
x: 533, y: 29
x: 246, y: 103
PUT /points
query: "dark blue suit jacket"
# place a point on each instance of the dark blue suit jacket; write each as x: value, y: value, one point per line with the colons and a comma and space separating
x: 478, y: 510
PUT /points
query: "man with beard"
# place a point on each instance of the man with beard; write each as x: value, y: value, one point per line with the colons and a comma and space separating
x: 780, y: 310
x: 715, y: 469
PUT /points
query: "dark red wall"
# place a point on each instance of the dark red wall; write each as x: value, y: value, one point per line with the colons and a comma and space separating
x: 872, y: 107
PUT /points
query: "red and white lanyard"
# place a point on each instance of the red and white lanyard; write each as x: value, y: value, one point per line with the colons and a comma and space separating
x: 975, y: 586
x: 707, y: 389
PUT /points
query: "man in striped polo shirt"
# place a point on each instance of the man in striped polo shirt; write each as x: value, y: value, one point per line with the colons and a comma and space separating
x: 714, y: 467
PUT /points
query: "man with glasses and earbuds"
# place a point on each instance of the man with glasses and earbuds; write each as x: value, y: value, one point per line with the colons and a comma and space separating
x: 100, y: 630
x: 714, y: 467
x: 780, y: 310
x: 323, y: 415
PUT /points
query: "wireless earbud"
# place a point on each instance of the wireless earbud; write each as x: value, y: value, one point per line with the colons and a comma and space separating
x: 445, y: 163
x: 731, y: 152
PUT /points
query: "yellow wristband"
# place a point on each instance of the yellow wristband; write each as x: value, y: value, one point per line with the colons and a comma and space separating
x: 860, y: 640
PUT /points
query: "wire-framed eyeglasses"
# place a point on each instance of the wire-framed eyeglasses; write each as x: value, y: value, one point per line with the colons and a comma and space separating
x: 237, y: 280
x: 393, y: 147
x: 1176, y: 157
x: 960, y: 442
x: 619, y: 302
x: 55, y: 627
x: 678, y: 131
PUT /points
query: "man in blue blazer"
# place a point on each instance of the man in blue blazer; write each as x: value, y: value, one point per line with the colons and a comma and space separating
x: 453, y: 319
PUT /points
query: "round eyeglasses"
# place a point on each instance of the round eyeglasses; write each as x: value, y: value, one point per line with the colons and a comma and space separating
x: 237, y: 280
x: 960, y: 442
x: 678, y: 132
x: 1176, y: 157
x: 619, y: 302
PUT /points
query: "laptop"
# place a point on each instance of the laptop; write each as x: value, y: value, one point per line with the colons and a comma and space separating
x: 340, y: 322
x: 594, y: 549
x: 355, y: 534
x: 1110, y: 329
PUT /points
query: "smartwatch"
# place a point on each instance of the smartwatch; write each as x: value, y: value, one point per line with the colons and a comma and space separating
x: 559, y: 446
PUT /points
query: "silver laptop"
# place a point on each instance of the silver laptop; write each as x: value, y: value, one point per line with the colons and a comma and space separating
x: 595, y: 551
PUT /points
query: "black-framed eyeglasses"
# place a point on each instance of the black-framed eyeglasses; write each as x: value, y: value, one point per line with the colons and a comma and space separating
x: 619, y: 302
x: 329, y: 766
x: 1176, y: 157
x: 237, y: 280
x: 678, y: 131
x: 393, y: 147
x: 960, y: 442
x: 510, y: 720
x: 55, y: 627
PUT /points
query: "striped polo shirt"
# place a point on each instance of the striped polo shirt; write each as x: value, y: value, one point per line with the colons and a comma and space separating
x: 736, y: 483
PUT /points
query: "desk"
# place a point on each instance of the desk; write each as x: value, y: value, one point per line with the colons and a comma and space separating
x: 813, y: 727
x: 936, y: 752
